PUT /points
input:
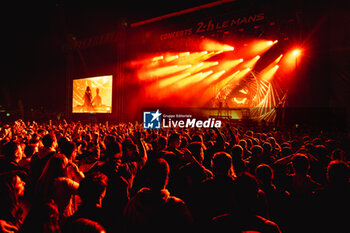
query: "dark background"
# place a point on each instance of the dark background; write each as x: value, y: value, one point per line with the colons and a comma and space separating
x: 33, y: 35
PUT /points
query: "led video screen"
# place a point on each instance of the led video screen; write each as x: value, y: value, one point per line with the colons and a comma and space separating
x: 92, y: 95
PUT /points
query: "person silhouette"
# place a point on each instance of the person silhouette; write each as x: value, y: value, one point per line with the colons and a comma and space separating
x: 87, y: 106
x: 97, y: 101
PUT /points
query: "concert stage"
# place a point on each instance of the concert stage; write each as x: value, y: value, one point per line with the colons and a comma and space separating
x: 222, y: 55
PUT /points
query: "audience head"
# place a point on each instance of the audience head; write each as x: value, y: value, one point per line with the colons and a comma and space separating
x: 237, y: 152
x: 162, y: 142
x: 183, y: 142
x: 30, y: 150
x: 286, y: 151
x: 113, y: 150
x: 257, y: 151
x: 320, y: 152
x: 54, y: 168
x: 13, y: 151
x: 338, y: 172
x: 174, y: 140
x: 158, y: 174
x: 267, y: 148
x: 83, y: 225
x: 317, y: 141
x: 295, y: 145
x: 338, y: 154
x: 129, y: 148
x: 196, y: 149
x: 48, y: 140
x: 265, y: 174
x: 222, y: 164
x: 197, y: 138
x: 243, y: 143
x: 11, y: 188
x: 272, y: 141
x: 92, y: 188
x: 61, y: 141
x: 68, y: 149
x: 249, y: 143
x: 42, y: 218
x: 246, y: 190
x: 300, y: 164
x: 109, y: 139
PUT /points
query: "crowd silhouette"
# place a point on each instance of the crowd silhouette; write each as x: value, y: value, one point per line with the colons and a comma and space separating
x: 62, y: 177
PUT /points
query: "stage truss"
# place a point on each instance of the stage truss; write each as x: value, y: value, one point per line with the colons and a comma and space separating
x: 258, y: 96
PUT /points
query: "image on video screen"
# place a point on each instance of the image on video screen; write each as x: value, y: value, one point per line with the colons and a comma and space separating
x: 92, y: 95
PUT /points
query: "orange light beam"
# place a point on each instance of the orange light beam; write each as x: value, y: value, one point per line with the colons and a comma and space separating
x: 196, y: 57
x: 228, y: 65
x: 213, y: 77
x: 279, y: 58
x: 212, y: 45
x: 157, y: 58
x: 259, y: 47
x: 202, y: 66
x: 243, y: 73
x: 251, y: 63
x: 169, y: 81
x: 162, y: 71
x: 171, y: 58
x: 184, y: 54
x: 269, y: 74
x: 190, y: 79
x: 226, y: 80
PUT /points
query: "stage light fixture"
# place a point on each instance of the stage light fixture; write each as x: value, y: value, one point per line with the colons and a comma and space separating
x: 184, y: 54
x: 279, y: 58
x: 171, y: 58
x: 157, y: 58
x: 296, y: 52
x: 241, y: 60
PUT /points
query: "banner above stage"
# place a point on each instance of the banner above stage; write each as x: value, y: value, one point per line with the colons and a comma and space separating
x: 230, y: 22
x: 212, y: 25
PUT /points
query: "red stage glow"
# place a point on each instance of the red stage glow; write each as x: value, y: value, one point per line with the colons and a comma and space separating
x: 211, y: 71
